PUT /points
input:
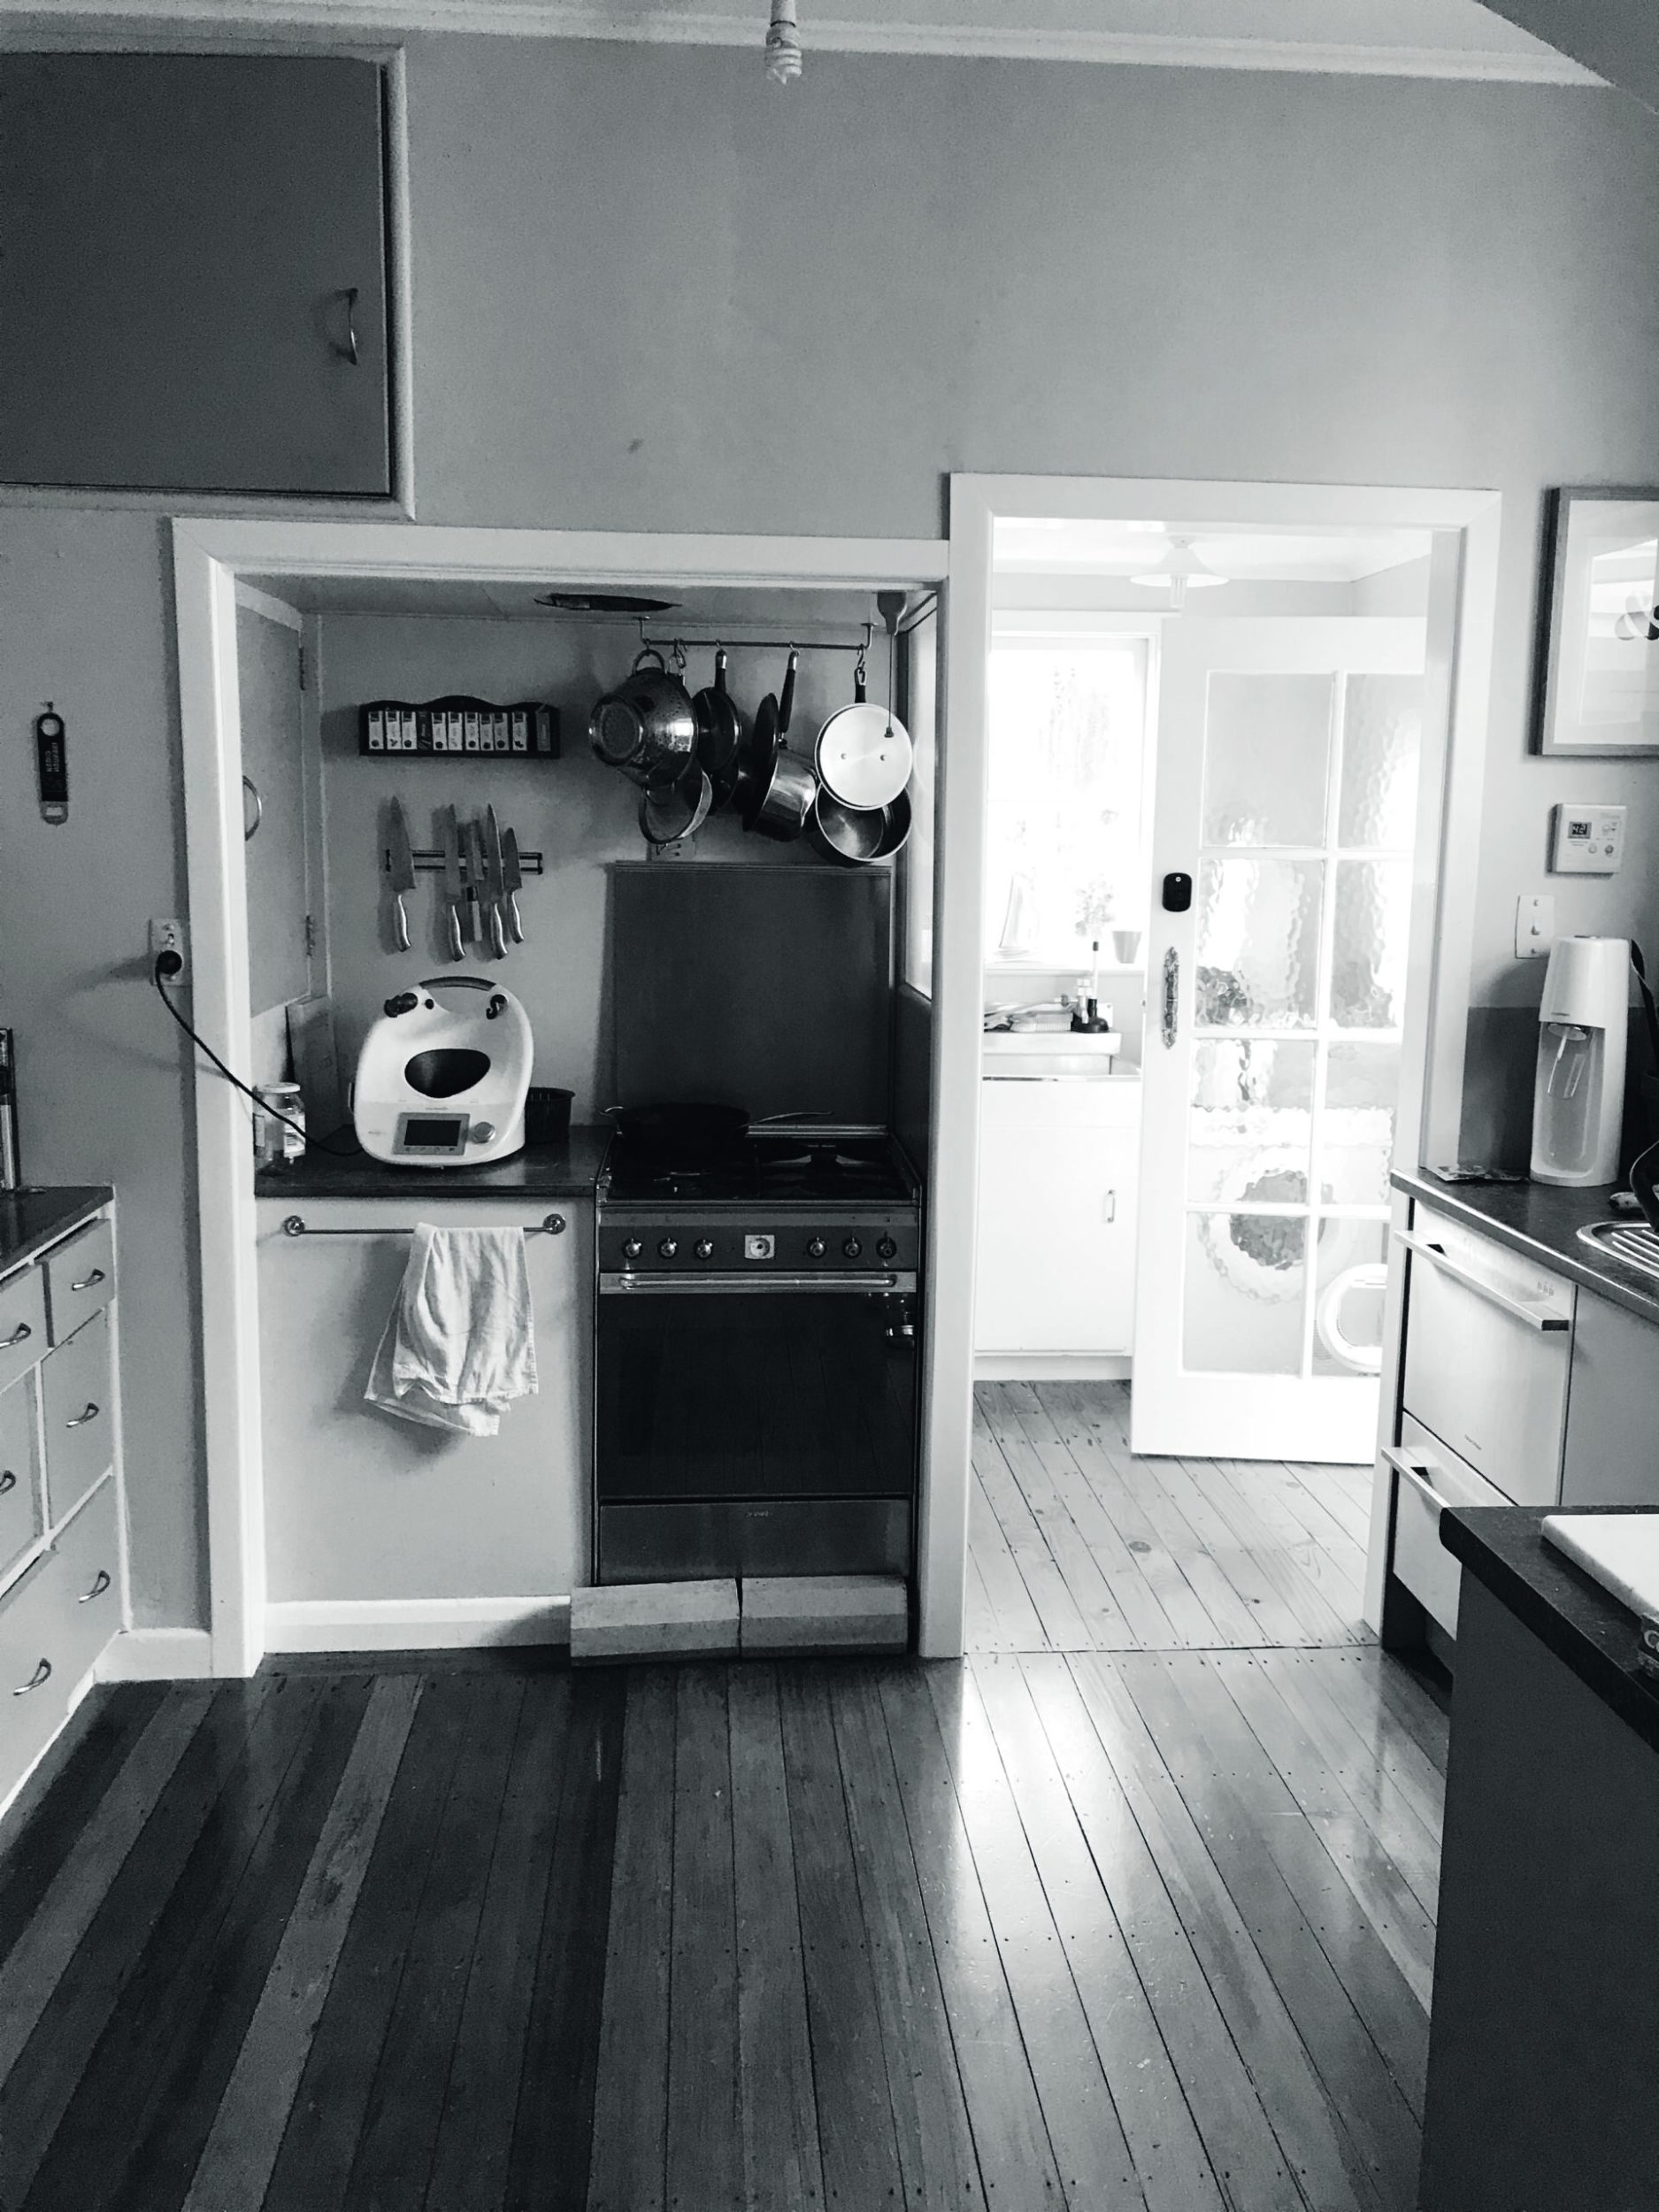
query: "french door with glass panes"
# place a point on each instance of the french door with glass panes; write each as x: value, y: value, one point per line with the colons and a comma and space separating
x: 1287, y: 782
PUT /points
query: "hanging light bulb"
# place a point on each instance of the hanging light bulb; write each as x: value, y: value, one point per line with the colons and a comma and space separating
x: 1182, y: 571
x: 783, y: 43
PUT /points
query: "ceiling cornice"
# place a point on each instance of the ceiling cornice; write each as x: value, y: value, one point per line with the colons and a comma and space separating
x: 666, y: 27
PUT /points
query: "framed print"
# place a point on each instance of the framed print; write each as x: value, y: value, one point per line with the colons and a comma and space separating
x: 1599, y: 653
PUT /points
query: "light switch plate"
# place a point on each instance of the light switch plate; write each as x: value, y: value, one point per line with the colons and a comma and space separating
x: 1534, y: 926
x: 1586, y: 840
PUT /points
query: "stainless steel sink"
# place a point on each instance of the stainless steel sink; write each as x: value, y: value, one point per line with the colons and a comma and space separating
x: 1631, y: 1241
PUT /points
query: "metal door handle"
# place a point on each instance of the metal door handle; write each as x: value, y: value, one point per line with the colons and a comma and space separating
x: 17, y: 1336
x: 349, y: 351
x: 86, y: 1282
x: 43, y: 1674
x: 1417, y: 1472
x: 100, y: 1585
x: 250, y: 829
x: 1110, y: 1208
x: 1437, y: 1255
x: 8, y: 1481
x: 80, y: 1419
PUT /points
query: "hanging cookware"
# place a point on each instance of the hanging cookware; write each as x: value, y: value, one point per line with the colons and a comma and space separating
x: 646, y: 726
x: 740, y: 784
x: 782, y: 800
x: 864, y: 752
x: 857, y: 836
x: 672, y: 810
x: 720, y: 723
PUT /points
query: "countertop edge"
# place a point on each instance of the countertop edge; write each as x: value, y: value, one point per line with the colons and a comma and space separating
x: 77, y: 1203
x: 1568, y: 1610
x: 1625, y: 1287
x: 568, y: 1171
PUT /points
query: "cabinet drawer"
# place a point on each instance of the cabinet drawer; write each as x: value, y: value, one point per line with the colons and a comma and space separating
x: 88, y: 1557
x: 80, y: 1278
x: 52, y: 1627
x: 1488, y: 1340
x: 80, y: 1406
x: 22, y: 1322
x: 1427, y: 1478
x: 19, y: 1492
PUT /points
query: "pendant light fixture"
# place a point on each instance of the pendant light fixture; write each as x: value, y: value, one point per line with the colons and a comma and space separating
x: 783, y: 43
x: 1182, y: 571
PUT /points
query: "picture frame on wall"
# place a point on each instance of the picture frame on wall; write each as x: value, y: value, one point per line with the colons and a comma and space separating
x: 1598, y: 676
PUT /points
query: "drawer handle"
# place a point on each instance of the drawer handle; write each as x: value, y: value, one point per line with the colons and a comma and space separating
x: 18, y: 1336
x: 97, y: 1276
x: 8, y: 1481
x: 100, y: 1585
x: 1437, y: 1255
x: 80, y: 1419
x: 1417, y: 1472
x: 41, y: 1674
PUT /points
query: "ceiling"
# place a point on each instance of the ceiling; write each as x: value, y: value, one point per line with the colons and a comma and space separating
x: 1452, y: 38
x: 1258, y: 556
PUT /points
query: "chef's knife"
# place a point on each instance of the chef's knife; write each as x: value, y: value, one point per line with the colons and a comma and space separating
x: 512, y: 877
x: 474, y: 846
x: 453, y: 890
x: 400, y: 869
x: 494, y: 883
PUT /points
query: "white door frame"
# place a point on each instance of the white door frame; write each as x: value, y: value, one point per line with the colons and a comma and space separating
x: 209, y: 554
x: 1461, y: 609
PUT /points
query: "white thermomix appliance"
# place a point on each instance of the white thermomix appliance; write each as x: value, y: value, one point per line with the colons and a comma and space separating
x: 442, y: 1075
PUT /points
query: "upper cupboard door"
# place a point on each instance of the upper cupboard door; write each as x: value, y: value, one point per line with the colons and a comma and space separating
x: 194, y: 286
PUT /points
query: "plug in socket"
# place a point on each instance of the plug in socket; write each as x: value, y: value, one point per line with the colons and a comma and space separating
x: 168, y: 936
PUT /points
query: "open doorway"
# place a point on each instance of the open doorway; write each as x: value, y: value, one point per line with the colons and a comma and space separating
x: 1217, y: 773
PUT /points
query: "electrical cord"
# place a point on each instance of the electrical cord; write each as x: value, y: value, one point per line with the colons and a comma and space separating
x: 168, y: 964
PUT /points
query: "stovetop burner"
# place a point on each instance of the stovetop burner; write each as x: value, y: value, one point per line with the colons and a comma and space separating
x: 830, y: 1169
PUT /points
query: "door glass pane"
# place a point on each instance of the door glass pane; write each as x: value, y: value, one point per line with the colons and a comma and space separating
x: 1368, y: 964
x: 1348, y: 1277
x: 1381, y: 737
x: 1258, y: 943
x: 1356, y: 1131
x: 1267, y: 751
x: 1242, y: 1311
x: 1250, y: 1116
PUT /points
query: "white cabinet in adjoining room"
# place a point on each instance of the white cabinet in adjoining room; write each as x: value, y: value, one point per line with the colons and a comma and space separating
x: 1059, y: 1161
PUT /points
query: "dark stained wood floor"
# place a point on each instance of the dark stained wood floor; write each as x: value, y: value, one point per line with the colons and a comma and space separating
x: 1085, y: 1930
x: 1078, y: 1546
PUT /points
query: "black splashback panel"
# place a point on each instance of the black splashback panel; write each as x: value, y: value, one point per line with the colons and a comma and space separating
x: 756, y: 986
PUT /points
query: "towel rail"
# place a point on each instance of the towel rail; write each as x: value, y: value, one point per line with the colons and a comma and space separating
x: 296, y: 1225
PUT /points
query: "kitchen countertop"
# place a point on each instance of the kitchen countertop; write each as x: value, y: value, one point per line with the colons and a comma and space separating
x: 567, y: 1170
x: 1541, y: 1221
x: 31, y: 1219
x: 1566, y: 1610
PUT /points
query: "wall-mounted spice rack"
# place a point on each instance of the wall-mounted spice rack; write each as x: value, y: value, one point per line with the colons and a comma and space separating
x: 458, y: 724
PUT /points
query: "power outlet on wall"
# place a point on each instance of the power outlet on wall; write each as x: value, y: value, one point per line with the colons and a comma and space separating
x: 1534, y: 926
x: 677, y: 849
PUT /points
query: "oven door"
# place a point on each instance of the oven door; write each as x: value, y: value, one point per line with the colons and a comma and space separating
x: 755, y: 1428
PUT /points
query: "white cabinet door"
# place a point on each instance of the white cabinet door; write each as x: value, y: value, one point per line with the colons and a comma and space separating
x: 1057, y: 1165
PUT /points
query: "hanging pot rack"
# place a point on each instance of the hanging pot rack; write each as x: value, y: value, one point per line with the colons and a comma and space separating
x: 707, y: 634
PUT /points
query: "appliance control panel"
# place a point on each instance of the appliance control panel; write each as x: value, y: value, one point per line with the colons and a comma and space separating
x: 696, y: 1243
x: 1586, y: 840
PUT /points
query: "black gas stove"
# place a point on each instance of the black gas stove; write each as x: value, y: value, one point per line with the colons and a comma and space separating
x: 758, y: 1359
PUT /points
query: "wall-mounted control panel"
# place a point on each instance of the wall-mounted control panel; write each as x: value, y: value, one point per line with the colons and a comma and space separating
x: 1586, y: 840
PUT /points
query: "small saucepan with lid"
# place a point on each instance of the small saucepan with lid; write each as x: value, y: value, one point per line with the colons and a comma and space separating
x: 864, y: 753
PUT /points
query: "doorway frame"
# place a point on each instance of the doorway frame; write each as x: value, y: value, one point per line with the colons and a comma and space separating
x: 1462, y: 596
x: 210, y: 555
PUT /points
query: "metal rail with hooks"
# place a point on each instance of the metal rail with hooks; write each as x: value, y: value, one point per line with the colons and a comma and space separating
x: 296, y: 1225
x: 713, y: 637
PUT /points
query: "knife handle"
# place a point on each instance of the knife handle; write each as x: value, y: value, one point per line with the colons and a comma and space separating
x: 513, y: 921
x: 457, y: 951
x: 497, y: 936
x: 400, y: 922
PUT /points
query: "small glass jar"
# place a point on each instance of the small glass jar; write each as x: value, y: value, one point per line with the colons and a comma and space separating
x: 277, y: 1141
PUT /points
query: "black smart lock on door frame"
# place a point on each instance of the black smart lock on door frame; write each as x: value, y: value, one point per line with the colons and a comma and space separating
x: 1177, y: 894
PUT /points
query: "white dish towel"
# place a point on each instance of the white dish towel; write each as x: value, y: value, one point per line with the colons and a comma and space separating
x: 460, y: 1343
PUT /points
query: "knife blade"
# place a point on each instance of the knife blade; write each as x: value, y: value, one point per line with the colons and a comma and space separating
x: 473, y: 845
x: 453, y: 888
x: 512, y: 877
x: 400, y: 869
x: 494, y: 883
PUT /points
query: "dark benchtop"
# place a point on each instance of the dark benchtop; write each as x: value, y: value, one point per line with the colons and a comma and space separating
x: 31, y: 1219
x: 1542, y: 1221
x: 1568, y: 1610
x: 567, y: 1171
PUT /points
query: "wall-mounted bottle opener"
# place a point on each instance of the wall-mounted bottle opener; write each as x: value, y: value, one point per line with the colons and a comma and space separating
x: 52, y: 765
x: 1178, y: 893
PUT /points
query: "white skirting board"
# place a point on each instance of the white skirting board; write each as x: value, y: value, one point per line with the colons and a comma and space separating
x: 157, y: 1654
x: 414, y: 1624
x: 1052, y: 1367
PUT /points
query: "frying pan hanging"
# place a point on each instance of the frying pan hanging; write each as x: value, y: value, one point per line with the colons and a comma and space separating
x: 782, y: 800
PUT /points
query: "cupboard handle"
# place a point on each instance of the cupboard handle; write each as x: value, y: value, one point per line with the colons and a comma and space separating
x: 250, y: 824
x: 17, y: 1336
x: 1417, y: 1472
x: 100, y: 1585
x: 349, y: 351
x: 43, y: 1674
x: 1111, y: 1209
x: 80, y: 1419
x: 1438, y: 1256
x: 88, y: 1281
x: 8, y: 1481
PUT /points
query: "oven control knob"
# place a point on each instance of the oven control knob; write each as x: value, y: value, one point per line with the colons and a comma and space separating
x: 668, y: 1248
x: 705, y: 1248
x: 852, y: 1248
x: 632, y: 1248
x: 816, y: 1249
x: 887, y: 1249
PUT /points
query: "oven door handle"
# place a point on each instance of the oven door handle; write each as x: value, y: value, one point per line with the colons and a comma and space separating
x: 748, y: 1286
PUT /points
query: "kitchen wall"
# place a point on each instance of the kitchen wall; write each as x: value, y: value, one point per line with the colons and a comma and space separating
x: 580, y: 815
x: 652, y: 292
